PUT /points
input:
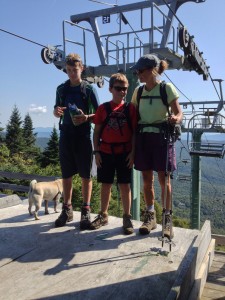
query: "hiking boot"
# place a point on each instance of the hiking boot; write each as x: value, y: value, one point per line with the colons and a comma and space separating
x: 65, y: 216
x: 166, y: 229
x: 85, y: 220
x: 127, y: 224
x: 100, y: 220
x: 149, y: 222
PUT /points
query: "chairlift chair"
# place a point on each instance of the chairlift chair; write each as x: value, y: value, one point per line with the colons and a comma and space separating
x: 206, y: 122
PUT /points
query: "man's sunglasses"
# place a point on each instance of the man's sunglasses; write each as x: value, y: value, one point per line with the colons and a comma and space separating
x: 120, y: 88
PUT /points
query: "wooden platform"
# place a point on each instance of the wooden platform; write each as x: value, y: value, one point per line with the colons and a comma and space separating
x: 215, y: 285
x: 39, y: 261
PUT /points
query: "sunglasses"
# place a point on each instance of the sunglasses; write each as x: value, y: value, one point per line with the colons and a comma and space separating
x: 141, y: 71
x: 120, y: 88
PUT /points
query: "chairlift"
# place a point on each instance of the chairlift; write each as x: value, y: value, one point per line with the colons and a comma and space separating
x: 182, y: 176
x: 207, y: 122
x: 207, y: 149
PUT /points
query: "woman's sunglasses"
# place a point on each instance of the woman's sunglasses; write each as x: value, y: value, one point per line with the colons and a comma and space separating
x: 141, y: 71
x: 120, y: 88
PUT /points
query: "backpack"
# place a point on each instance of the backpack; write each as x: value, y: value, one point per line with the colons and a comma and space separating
x: 85, y: 91
x: 173, y: 129
x: 108, y: 110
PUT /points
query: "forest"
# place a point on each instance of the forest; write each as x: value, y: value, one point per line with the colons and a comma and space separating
x: 22, y: 151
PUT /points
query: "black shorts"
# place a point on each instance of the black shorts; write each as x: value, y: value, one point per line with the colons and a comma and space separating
x: 111, y: 164
x: 75, y: 155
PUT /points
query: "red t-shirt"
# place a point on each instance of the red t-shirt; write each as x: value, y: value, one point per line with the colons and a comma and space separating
x: 117, y: 130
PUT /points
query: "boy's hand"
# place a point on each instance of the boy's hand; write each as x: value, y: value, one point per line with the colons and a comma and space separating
x: 79, y: 119
x: 98, y: 160
x: 59, y: 111
x: 130, y: 160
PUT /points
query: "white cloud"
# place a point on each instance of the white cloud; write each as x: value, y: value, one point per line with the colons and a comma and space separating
x: 34, y: 109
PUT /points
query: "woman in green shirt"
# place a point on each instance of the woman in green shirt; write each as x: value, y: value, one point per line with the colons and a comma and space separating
x: 153, y: 152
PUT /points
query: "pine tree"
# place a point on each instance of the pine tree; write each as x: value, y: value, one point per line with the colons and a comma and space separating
x: 31, y: 151
x: 29, y: 136
x: 1, y: 135
x: 50, y: 154
x: 14, y: 133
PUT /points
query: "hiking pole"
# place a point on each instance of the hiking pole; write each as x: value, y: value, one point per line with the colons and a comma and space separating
x: 171, y: 184
x: 165, y: 186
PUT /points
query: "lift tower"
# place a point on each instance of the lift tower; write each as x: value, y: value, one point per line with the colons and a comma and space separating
x: 137, y: 29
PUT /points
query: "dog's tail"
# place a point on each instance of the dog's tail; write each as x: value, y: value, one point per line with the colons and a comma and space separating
x: 30, y: 197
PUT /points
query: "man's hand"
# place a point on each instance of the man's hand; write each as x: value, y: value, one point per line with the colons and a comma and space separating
x: 80, y: 119
x: 59, y: 111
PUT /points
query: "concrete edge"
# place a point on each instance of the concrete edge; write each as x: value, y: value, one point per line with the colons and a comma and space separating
x: 10, y: 200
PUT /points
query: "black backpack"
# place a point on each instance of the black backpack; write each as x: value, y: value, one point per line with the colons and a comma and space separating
x: 175, y: 129
x: 126, y: 112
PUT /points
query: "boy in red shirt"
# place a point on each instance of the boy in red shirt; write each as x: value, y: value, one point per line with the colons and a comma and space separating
x: 114, y: 134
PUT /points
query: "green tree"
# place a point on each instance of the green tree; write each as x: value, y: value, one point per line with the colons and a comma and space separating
x: 14, y: 133
x: 29, y: 135
x: 50, y: 154
x: 1, y: 135
x: 31, y: 150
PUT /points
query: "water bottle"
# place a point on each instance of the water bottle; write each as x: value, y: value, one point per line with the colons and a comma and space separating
x: 74, y: 111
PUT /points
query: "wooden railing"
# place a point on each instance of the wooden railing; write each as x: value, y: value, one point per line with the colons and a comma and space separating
x: 220, y: 239
x: 4, y: 175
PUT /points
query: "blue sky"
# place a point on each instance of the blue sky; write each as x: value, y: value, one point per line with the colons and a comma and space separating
x: 30, y: 84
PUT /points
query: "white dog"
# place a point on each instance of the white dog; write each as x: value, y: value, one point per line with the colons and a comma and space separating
x: 47, y: 191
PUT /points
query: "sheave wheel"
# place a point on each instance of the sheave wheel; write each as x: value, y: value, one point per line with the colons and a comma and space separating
x: 46, y: 56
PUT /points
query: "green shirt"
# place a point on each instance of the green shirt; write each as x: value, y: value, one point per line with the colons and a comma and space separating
x: 152, y: 110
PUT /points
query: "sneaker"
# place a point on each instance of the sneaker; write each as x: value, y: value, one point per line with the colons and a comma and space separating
x: 149, y: 222
x: 127, y: 224
x: 85, y: 220
x: 65, y: 216
x: 167, y: 233
x: 99, y: 221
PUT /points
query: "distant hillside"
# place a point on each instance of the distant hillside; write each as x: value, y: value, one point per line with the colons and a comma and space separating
x: 41, y: 142
x: 43, y: 131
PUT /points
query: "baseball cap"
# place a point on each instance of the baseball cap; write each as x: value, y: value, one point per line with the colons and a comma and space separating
x: 146, y: 61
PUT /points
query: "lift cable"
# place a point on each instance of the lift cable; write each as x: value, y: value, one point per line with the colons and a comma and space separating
x: 174, y: 13
x: 103, y: 3
x: 203, y: 173
x: 178, y: 88
x: 21, y: 37
x: 223, y: 175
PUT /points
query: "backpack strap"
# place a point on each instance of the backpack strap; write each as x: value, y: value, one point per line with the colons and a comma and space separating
x: 127, y: 114
x: 163, y: 94
x: 139, y: 93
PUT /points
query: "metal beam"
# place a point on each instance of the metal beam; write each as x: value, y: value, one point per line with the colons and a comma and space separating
x: 125, y: 8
